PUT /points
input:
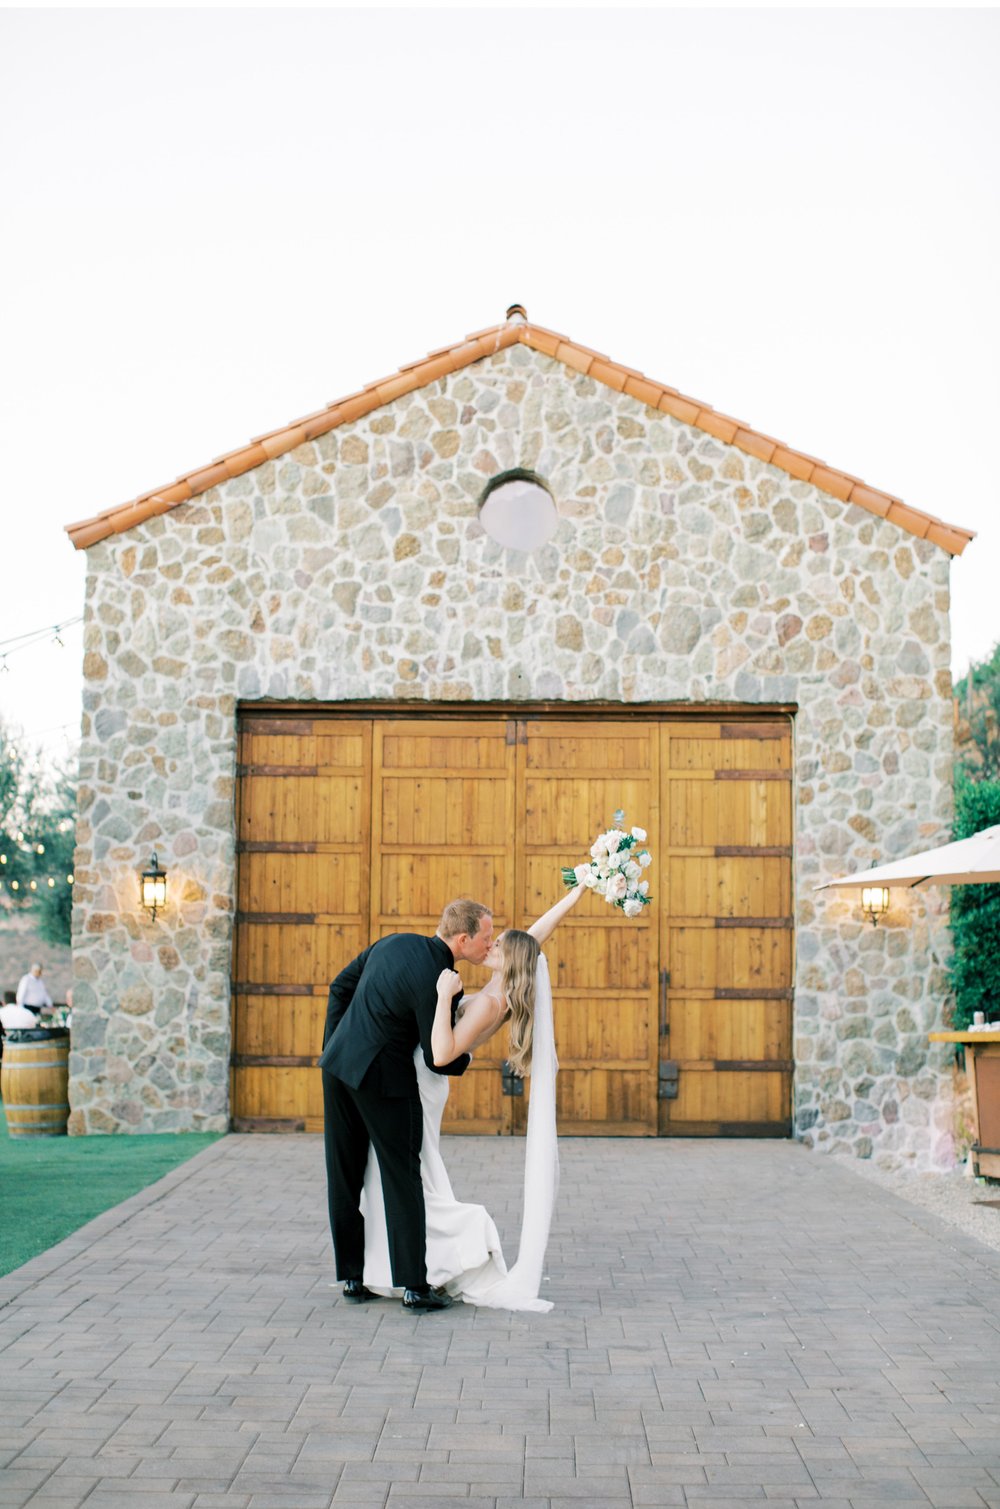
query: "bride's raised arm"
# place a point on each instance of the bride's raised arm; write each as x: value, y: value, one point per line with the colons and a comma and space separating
x: 479, y: 1019
x: 550, y: 920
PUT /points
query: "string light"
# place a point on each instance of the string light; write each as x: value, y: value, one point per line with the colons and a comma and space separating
x: 50, y: 633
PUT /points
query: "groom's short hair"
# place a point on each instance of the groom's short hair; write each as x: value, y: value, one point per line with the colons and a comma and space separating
x: 462, y: 917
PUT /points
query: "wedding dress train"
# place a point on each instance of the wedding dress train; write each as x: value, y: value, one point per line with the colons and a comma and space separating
x: 464, y: 1254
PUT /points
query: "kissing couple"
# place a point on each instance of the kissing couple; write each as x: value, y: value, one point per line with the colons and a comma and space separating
x: 397, y: 1027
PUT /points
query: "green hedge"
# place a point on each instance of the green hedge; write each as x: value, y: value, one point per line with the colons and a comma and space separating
x: 975, y: 912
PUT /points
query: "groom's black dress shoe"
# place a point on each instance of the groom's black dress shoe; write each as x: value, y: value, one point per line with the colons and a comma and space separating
x: 355, y: 1291
x: 426, y: 1299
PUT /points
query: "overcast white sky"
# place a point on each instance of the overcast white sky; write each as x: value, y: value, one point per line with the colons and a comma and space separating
x: 216, y: 221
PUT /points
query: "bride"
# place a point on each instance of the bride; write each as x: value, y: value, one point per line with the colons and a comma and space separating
x: 464, y: 1255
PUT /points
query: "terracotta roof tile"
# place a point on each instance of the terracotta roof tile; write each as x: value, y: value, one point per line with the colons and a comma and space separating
x: 485, y: 343
x: 239, y: 462
x: 718, y: 425
x: 645, y: 391
x: 355, y: 407
x: 868, y: 497
x: 680, y: 407
x: 829, y: 481
x: 607, y: 373
x: 795, y: 464
x: 910, y: 518
x: 755, y: 445
x: 209, y: 476
x: 547, y: 342
x: 952, y: 540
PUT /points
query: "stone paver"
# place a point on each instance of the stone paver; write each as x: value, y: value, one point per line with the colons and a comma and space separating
x: 735, y: 1323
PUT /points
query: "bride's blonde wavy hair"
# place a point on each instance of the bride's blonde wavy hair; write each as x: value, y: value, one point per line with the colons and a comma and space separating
x: 519, y: 960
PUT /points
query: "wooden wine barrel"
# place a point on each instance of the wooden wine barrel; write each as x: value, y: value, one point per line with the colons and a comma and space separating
x: 34, y: 1083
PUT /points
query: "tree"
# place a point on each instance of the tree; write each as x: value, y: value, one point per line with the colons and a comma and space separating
x: 975, y: 910
x: 37, y: 838
x: 977, y: 707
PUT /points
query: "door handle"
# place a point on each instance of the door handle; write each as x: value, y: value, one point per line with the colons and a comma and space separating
x: 664, y: 985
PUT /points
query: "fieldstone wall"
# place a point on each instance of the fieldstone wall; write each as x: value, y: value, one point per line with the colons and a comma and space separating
x: 355, y: 567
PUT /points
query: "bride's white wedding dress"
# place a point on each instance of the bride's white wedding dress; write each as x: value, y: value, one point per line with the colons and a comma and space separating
x: 464, y: 1254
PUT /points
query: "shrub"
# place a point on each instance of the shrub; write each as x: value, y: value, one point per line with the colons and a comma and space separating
x: 975, y: 911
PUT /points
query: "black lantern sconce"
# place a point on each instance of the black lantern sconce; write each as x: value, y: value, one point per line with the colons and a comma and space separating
x: 874, y: 902
x: 154, y: 888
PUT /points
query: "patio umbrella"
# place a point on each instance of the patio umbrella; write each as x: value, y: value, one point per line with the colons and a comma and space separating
x: 968, y: 861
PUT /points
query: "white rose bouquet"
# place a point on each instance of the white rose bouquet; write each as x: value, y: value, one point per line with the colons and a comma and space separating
x: 615, y: 872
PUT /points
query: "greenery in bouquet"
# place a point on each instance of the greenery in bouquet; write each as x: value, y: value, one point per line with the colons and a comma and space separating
x: 617, y: 861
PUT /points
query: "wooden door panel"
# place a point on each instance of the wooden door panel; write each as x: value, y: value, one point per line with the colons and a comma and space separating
x: 292, y: 953
x: 602, y: 1102
x: 703, y: 886
x: 709, y: 958
x: 303, y: 834
x: 610, y: 1029
x: 572, y: 778
x: 715, y: 747
x: 283, y: 808
x: 282, y: 1025
x: 731, y: 1031
x: 756, y: 814
x: 284, y: 883
x: 443, y: 826
x: 709, y: 1100
x: 608, y: 955
x: 726, y: 920
x: 565, y: 809
x: 622, y: 746
x: 416, y: 887
x: 455, y: 810
x: 279, y: 1099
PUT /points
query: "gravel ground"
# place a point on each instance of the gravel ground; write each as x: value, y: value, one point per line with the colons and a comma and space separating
x: 954, y: 1198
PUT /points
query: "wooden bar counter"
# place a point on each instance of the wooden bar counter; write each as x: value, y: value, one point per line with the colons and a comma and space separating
x: 983, y: 1053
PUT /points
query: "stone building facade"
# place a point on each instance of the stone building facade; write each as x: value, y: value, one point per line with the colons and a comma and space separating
x: 696, y: 563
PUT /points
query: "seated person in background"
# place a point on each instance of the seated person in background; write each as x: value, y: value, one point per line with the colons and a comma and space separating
x: 12, y: 1016
x: 32, y: 991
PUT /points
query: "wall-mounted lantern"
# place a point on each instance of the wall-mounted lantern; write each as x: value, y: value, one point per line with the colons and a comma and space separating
x: 874, y: 902
x: 517, y: 509
x: 154, y: 888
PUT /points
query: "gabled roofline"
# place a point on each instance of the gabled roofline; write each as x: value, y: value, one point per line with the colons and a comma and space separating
x: 484, y: 343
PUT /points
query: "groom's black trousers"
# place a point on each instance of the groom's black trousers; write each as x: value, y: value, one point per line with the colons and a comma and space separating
x: 394, y: 1126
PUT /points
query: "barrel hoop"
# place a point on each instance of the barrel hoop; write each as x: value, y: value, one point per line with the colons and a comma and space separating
x: 45, y: 1063
x: 46, y: 1105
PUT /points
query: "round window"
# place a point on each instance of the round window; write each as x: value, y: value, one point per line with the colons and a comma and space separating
x: 517, y: 510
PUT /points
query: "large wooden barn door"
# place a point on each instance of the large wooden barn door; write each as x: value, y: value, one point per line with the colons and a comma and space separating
x: 677, y: 1023
x: 725, y: 898
x: 303, y: 837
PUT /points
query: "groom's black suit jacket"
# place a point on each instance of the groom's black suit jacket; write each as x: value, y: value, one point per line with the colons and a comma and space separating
x: 379, y: 1008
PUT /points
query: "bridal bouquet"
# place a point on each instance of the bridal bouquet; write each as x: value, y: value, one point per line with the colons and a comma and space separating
x: 615, y: 872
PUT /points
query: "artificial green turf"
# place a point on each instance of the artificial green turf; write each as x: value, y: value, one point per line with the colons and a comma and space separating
x: 49, y: 1186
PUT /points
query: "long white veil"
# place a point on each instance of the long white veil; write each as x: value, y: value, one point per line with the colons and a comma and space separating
x: 519, y: 1289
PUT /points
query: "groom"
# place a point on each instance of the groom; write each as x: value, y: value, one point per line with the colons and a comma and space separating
x: 380, y: 1008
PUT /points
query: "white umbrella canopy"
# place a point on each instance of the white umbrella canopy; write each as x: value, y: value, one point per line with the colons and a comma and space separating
x: 968, y: 861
